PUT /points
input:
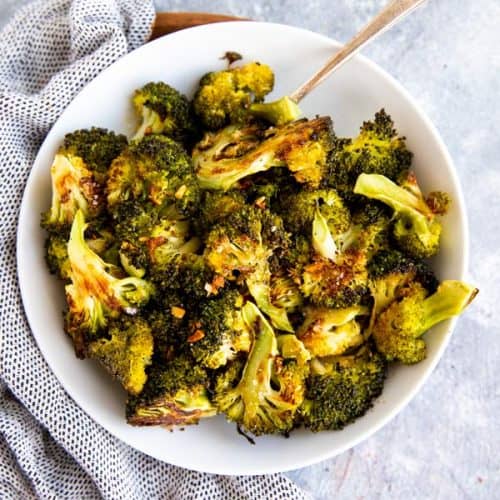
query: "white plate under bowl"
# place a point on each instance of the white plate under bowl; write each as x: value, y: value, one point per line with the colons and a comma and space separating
x: 351, y: 95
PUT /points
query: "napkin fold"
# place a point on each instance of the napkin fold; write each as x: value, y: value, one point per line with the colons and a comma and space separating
x: 49, y: 447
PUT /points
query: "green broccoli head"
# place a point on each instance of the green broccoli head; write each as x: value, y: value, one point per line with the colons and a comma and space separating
x: 224, y: 97
x: 224, y: 158
x: 262, y: 400
x: 416, y: 227
x: 163, y: 110
x: 390, y: 271
x: 151, y: 237
x: 398, y: 329
x: 343, y: 391
x: 155, y: 169
x: 299, y: 209
x: 126, y: 351
x: 94, y: 294
x: 56, y: 256
x: 331, y: 332
x: 219, y: 331
x: 280, y: 112
x: 376, y: 150
x: 339, y: 284
x: 175, y: 395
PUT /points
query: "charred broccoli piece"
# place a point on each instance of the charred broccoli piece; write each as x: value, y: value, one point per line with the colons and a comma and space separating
x: 219, y: 331
x: 56, y: 256
x: 155, y: 169
x: 343, y: 391
x: 163, y: 110
x: 126, y: 351
x: 299, y: 210
x: 390, y: 271
x: 416, y: 228
x: 239, y: 249
x: 223, y: 158
x: 216, y: 206
x: 398, y: 329
x: 94, y: 294
x: 152, y: 237
x: 175, y: 394
x: 78, y: 173
x: 224, y: 97
x: 335, y: 284
x: 263, y: 400
x: 331, y: 332
x: 376, y: 150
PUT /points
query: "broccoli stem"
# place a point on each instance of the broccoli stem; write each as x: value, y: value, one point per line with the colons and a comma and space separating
x: 450, y: 299
x: 278, y: 112
x: 381, y: 188
x: 322, y: 238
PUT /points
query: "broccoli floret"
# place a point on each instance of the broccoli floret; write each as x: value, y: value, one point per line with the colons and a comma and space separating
x: 175, y: 394
x: 299, y: 209
x: 416, y: 228
x: 152, y: 237
x: 155, y: 169
x: 78, y: 173
x: 216, y: 206
x: 224, y: 97
x: 239, y: 249
x: 56, y: 256
x: 94, y: 294
x: 390, y: 271
x: 219, y: 332
x: 262, y: 401
x: 343, y: 392
x: 279, y: 112
x: 163, y: 110
x: 190, y: 275
x: 398, y: 329
x: 331, y: 332
x: 226, y: 157
x: 335, y: 284
x: 376, y: 150
x: 125, y: 352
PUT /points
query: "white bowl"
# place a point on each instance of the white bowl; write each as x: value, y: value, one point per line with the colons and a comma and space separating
x: 351, y: 95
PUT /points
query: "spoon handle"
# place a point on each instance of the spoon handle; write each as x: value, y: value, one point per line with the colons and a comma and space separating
x: 386, y: 18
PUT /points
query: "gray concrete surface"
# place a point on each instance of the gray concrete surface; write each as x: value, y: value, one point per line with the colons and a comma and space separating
x: 445, y: 444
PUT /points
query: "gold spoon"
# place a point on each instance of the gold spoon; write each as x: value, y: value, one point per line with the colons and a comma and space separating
x: 286, y: 109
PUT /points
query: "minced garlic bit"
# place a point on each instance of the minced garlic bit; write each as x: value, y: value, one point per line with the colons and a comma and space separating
x: 197, y: 335
x: 177, y: 312
x: 181, y: 192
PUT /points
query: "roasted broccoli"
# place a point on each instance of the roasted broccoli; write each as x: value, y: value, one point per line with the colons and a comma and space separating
x: 342, y: 391
x: 163, y: 110
x: 78, y: 173
x: 263, y: 401
x: 125, y: 351
x: 223, y: 158
x: 299, y: 211
x: 219, y: 331
x: 155, y: 169
x: 398, y: 329
x: 416, y: 227
x: 94, y: 294
x: 376, y: 150
x: 175, y: 394
x: 331, y: 332
x: 239, y: 249
x: 224, y: 97
x: 235, y: 259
